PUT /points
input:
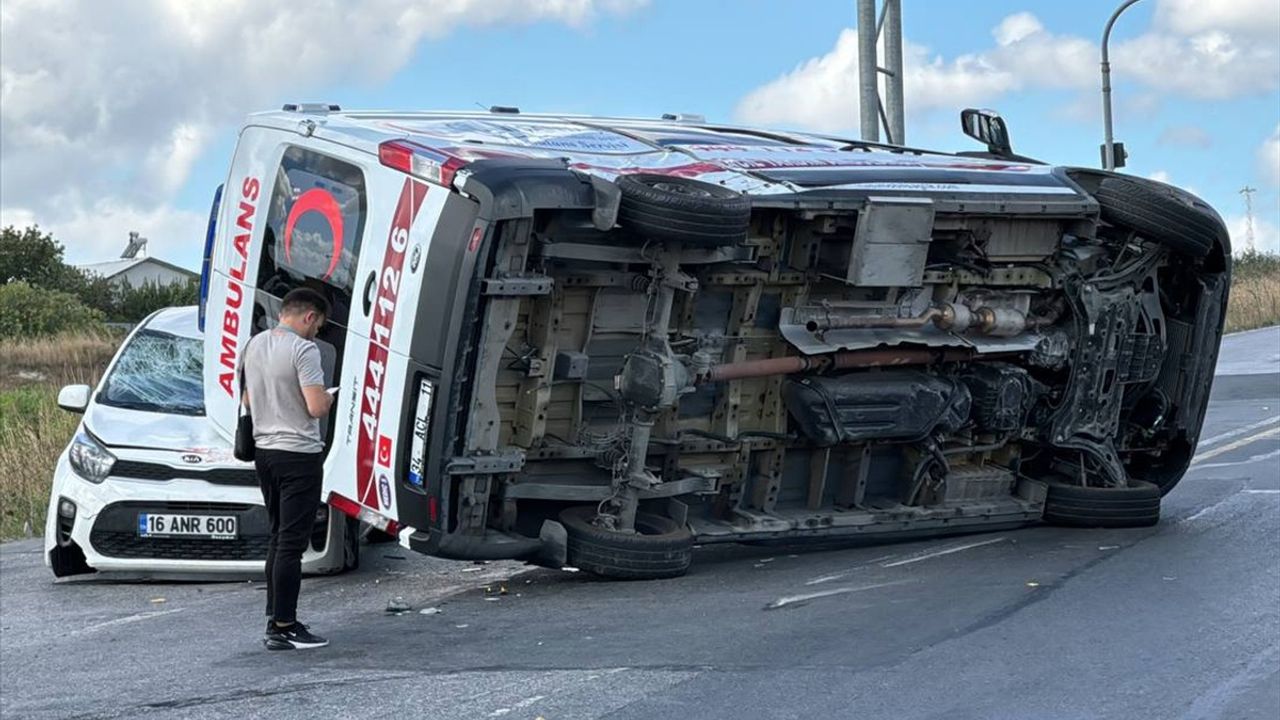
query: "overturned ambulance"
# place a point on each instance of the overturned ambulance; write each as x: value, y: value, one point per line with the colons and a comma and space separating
x: 597, y: 341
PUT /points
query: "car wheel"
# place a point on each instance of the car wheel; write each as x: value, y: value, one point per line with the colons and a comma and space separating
x: 665, y: 207
x: 1161, y: 213
x: 1137, y: 505
x: 68, y: 561
x: 350, y: 544
x: 660, y: 548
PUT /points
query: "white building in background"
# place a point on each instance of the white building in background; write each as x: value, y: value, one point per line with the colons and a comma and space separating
x: 139, y: 271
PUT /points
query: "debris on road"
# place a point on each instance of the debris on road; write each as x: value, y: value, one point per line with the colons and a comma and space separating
x: 1033, y: 584
x: 430, y: 611
x: 398, y: 605
x: 158, y: 600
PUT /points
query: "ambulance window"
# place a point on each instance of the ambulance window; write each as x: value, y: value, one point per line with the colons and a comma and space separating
x: 314, y: 227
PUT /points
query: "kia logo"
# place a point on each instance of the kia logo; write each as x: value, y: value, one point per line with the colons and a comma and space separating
x: 193, y: 459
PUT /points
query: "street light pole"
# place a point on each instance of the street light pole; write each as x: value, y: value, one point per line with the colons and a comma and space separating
x: 1108, y: 145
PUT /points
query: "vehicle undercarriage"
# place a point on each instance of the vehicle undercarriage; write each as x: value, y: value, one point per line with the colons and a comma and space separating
x: 717, y: 370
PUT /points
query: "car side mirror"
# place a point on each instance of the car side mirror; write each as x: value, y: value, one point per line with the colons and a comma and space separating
x: 987, y: 127
x: 74, y: 398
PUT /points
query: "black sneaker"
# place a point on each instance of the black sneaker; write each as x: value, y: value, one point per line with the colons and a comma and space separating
x: 294, y: 637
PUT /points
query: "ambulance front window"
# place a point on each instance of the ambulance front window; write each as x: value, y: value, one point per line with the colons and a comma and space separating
x: 315, y: 224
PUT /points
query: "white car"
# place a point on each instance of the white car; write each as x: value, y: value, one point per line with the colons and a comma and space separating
x: 147, y: 486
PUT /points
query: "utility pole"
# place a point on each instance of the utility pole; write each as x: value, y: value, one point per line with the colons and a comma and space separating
x: 1248, y: 192
x: 873, y: 113
x: 1109, y: 155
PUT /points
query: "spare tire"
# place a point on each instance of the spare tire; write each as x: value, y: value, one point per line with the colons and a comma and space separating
x: 1161, y: 213
x: 660, y: 548
x: 1137, y: 505
x: 666, y: 207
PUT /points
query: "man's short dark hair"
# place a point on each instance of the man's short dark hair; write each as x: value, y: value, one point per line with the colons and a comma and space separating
x: 300, y: 300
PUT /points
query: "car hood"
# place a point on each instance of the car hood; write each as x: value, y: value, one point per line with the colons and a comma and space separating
x: 119, y: 427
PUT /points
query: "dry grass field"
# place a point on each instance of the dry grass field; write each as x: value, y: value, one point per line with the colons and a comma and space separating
x: 1255, y: 292
x: 33, y: 430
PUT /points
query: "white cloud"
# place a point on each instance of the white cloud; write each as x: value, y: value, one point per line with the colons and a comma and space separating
x: 107, y: 106
x: 97, y: 231
x: 1211, y: 65
x: 822, y: 92
x: 1207, y: 55
x: 1243, y: 17
x: 1269, y: 158
x: 1192, y: 136
x: 1266, y: 234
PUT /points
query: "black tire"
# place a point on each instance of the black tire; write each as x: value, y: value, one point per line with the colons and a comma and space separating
x: 68, y: 561
x: 350, y: 545
x: 659, y: 549
x: 665, y: 207
x: 1161, y: 213
x: 1137, y: 505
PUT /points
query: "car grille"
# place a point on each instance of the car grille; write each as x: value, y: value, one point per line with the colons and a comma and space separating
x: 129, y: 545
x: 158, y: 471
x: 114, y: 532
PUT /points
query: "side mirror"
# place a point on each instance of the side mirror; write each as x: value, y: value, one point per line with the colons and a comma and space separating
x: 74, y: 398
x: 987, y: 127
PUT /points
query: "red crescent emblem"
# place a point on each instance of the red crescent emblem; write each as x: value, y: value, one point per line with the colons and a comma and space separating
x: 322, y: 202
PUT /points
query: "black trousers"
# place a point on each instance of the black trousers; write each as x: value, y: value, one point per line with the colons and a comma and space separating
x: 290, y: 484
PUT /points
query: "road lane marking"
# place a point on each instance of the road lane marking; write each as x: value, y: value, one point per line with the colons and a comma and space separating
x: 850, y: 571
x: 1247, y: 461
x: 518, y: 706
x: 1240, y: 431
x: 939, y: 553
x: 124, y: 621
x: 1261, y: 492
x: 1235, y: 445
x: 794, y: 599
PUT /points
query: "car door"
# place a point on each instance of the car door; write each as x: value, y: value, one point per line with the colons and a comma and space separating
x: 372, y: 433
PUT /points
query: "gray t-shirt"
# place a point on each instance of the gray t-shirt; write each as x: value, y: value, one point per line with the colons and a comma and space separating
x: 277, y: 365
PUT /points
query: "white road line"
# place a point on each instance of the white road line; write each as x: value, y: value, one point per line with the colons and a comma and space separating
x: 1234, y: 445
x: 1262, y: 492
x: 1247, y: 461
x: 1206, y: 510
x: 939, y: 553
x: 850, y: 571
x: 1239, y: 431
x: 518, y: 706
x: 793, y: 599
x: 124, y: 621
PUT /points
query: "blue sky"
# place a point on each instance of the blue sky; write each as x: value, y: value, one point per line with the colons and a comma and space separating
x: 105, y: 130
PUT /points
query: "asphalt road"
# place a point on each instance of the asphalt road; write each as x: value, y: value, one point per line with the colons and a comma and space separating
x: 1177, y: 621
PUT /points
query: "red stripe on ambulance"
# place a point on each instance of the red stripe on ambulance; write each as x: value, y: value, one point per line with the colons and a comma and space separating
x: 384, y: 316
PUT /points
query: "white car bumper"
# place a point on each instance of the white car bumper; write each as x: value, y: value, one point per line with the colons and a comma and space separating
x: 105, y: 526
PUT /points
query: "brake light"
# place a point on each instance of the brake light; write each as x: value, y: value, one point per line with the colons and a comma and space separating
x: 354, y: 509
x: 420, y: 161
x: 396, y: 156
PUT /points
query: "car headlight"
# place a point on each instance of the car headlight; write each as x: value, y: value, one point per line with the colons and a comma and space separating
x: 89, y: 459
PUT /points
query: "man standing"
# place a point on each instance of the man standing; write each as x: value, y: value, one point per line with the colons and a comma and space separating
x: 284, y: 390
